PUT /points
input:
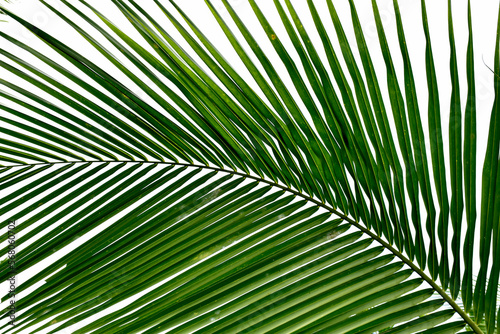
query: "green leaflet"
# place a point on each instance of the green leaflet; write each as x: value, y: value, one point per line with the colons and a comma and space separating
x: 470, y: 134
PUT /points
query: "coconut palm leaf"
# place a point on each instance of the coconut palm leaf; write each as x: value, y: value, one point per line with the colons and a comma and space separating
x: 157, y: 186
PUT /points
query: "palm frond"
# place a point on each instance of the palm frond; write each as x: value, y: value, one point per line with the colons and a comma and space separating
x: 171, y: 190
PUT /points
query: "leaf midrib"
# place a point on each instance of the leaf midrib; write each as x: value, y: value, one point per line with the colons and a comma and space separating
x: 354, y: 223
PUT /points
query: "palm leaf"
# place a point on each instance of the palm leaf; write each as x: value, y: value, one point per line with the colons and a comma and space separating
x: 165, y: 188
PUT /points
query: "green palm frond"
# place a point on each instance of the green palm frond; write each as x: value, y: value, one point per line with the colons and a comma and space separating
x: 157, y: 185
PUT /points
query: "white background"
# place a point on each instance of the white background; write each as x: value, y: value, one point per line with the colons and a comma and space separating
x: 484, y: 25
